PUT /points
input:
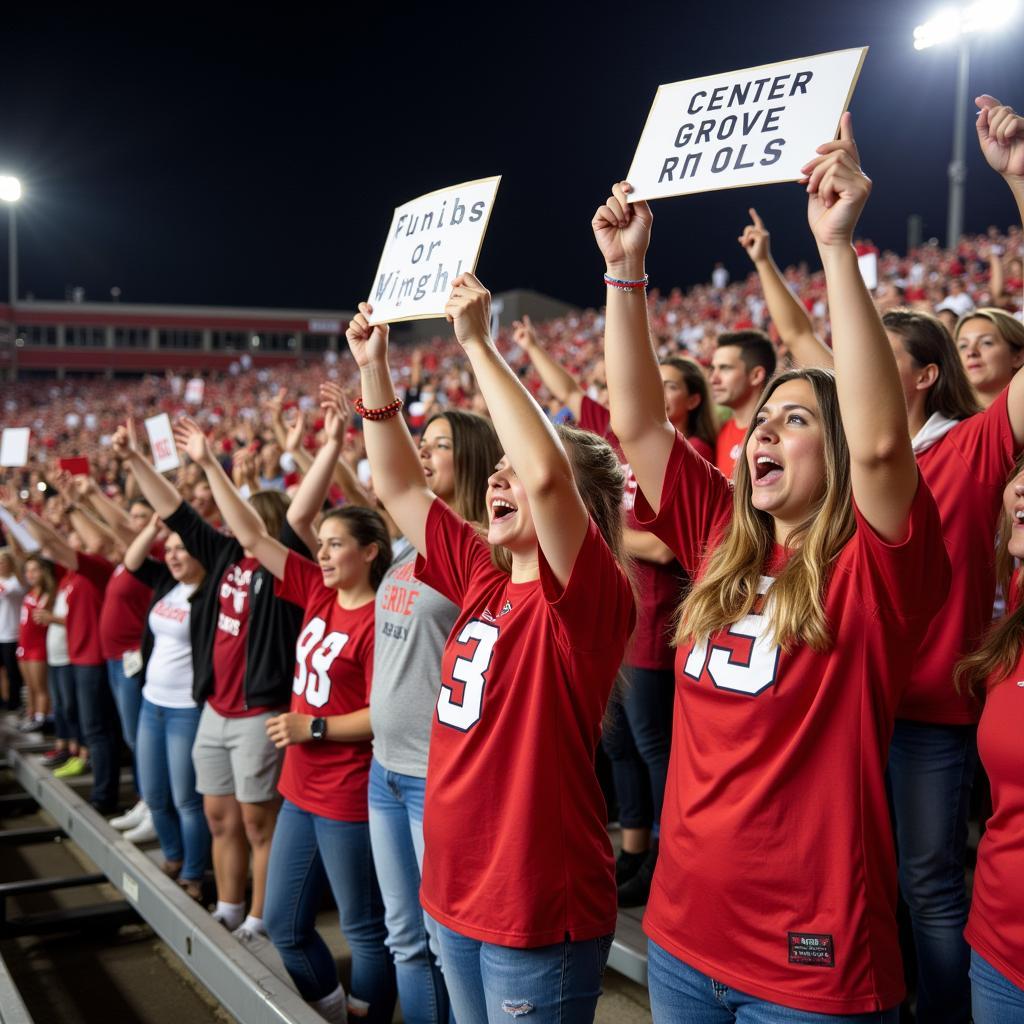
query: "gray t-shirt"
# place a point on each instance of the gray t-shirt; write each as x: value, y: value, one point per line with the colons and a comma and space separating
x: 412, y: 623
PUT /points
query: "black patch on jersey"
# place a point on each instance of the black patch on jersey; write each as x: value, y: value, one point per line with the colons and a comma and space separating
x: 811, y: 950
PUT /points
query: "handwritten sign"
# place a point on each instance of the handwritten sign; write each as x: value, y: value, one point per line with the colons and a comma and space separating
x: 750, y: 127
x: 14, y: 446
x: 194, y: 391
x: 161, y: 443
x: 431, y: 241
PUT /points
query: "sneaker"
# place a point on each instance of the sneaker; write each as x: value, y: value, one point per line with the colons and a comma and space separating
x: 131, y: 818
x: 248, y: 936
x: 193, y: 888
x: 70, y: 768
x: 144, y: 832
x: 637, y: 890
x: 627, y: 865
x: 30, y: 725
x: 55, y: 758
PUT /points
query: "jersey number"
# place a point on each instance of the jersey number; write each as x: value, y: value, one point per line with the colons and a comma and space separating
x: 741, y: 658
x: 463, y: 713
x: 314, y: 656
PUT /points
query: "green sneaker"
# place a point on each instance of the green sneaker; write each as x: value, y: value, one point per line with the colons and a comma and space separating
x: 70, y: 768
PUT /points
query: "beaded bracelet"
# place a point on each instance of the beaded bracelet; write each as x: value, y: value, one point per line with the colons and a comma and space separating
x: 385, y: 412
x: 625, y: 286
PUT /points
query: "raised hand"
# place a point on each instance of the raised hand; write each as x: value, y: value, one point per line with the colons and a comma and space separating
x: 336, y: 411
x: 469, y: 310
x: 837, y: 188
x: 82, y: 486
x: 189, y: 437
x: 368, y: 344
x: 275, y: 405
x: 124, y: 443
x: 755, y: 239
x: 1001, y: 136
x: 296, y: 430
x: 523, y: 333
x: 623, y: 232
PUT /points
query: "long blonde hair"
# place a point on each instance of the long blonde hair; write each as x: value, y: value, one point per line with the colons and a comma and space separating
x: 727, y: 590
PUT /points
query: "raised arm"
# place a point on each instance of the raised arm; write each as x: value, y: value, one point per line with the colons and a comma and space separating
x: 874, y: 412
x: 54, y: 546
x: 635, y: 390
x: 96, y: 535
x: 398, y: 478
x: 110, y: 513
x: 532, y: 447
x: 787, y: 312
x: 242, y: 519
x: 142, y: 544
x: 555, y: 378
x: 157, y: 490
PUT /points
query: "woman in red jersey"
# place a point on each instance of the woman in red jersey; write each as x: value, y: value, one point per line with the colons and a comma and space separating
x: 517, y: 869
x: 322, y: 835
x: 774, y: 896
x: 42, y: 588
x: 991, y: 346
x: 995, y: 675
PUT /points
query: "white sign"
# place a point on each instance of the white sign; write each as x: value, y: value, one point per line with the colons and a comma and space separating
x: 432, y: 240
x: 194, y: 391
x: 14, y: 446
x: 25, y: 540
x: 161, y: 443
x: 868, y: 264
x: 750, y: 127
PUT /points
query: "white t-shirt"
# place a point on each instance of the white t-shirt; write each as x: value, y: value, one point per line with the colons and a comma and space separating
x: 12, y: 590
x: 169, y: 669
x: 57, y: 636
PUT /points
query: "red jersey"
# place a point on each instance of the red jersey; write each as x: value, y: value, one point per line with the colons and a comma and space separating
x: 729, y: 447
x: 966, y: 471
x: 516, y: 849
x: 229, y: 641
x: 84, y: 589
x: 122, y: 618
x: 995, y: 928
x: 659, y: 588
x: 31, y: 634
x: 776, y: 853
x: 333, y: 669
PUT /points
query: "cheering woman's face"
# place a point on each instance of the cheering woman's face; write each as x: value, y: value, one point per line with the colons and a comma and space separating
x: 1013, y: 503
x: 343, y: 562
x: 33, y: 573
x: 990, y: 360
x: 437, y: 457
x: 509, y: 522
x: 180, y: 564
x: 786, y: 454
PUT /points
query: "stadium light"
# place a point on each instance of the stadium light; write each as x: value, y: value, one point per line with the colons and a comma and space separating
x: 958, y: 24
x: 10, y: 193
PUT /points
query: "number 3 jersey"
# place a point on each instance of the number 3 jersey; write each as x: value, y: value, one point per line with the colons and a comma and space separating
x: 516, y: 848
x: 776, y: 872
x: 333, y: 668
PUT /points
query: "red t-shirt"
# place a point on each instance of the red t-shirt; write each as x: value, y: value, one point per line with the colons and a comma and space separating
x: 516, y: 849
x: 729, y: 447
x: 84, y: 589
x: 31, y: 634
x: 659, y: 588
x: 995, y: 928
x: 333, y: 670
x: 776, y: 853
x: 966, y: 471
x: 229, y: 641
x: 122, y: 618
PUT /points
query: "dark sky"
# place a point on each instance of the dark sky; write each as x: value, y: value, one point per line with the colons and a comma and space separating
x: 252, y: 159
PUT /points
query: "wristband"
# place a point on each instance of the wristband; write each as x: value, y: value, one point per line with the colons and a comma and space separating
x: 385, y: 412
x: 626, y: 286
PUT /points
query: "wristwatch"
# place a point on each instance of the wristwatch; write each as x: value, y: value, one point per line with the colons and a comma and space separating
x: 318, y: 728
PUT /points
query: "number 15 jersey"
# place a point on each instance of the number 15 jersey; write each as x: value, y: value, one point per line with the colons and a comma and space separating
x: 516, y: 849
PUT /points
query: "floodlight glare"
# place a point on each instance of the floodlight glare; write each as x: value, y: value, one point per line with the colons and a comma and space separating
x: 952, y: 22
x: 10, y: 188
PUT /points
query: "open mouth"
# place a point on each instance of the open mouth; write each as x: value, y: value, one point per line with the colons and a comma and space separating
x: 1018, y: 517
x: 766, y: 470
x: 502, y: 509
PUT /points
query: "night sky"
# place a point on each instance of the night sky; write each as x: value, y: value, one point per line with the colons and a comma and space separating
x: 252, y: 159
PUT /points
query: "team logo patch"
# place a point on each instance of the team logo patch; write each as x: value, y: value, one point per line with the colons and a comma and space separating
x: 811, y: 950
x: 505, y: 609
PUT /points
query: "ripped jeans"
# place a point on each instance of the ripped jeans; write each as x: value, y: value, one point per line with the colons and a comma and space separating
x: 490, y: 984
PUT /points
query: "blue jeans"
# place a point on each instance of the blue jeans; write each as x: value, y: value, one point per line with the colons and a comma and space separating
x: 98, y: 721
x: 165, y: 740
x: 682, y: 995
x: 995, y: 998
x: 637, y: 741
x: 931, y: 769
x: 65, y: 705
x: 557, y: 984
x: 127, y: 693
x: 309, y: 853
x: 396, y: 831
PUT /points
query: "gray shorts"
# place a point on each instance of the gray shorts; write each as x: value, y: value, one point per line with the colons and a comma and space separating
x: 234, y: 757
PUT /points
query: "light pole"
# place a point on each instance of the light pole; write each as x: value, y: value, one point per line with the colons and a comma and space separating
x: 10, y: 193
x: 957, y: 24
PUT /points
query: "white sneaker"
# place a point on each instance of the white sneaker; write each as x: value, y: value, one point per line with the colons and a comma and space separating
x: 144, y: 832
x: 131, y: 818
x: 249, y: 936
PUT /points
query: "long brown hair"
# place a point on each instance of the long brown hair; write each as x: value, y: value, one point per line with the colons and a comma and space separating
x: 1001, y: 645
x: 49, y: 584
x: 926, y: 340
x: 476, y: 450
x: 271, y: 507
x: 727, y: 590
x: 366, y: 527
x: 701, y: 421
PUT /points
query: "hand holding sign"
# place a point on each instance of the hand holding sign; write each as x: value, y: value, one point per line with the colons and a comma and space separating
x: 622, y: 230
x: 369, y: 344
x: 837, y: 189
x: 469, y: 311
x: 1001, y: 135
